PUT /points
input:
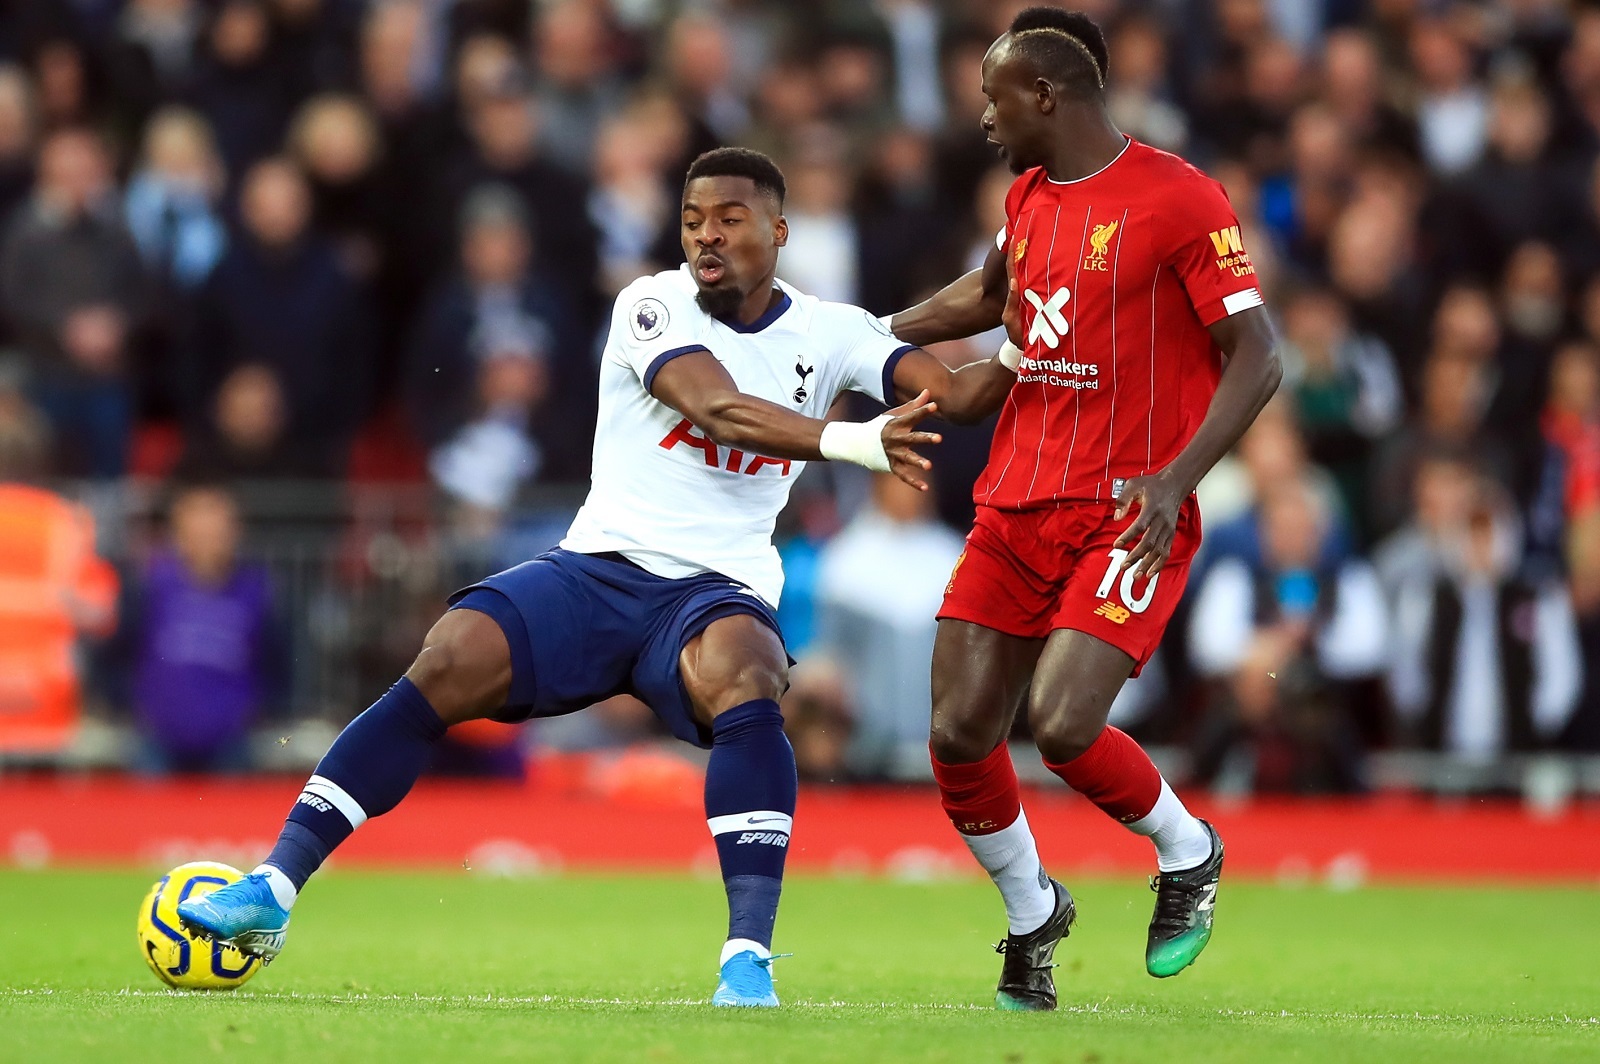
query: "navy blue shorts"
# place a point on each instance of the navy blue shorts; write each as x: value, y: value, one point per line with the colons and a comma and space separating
x: 586, y: 627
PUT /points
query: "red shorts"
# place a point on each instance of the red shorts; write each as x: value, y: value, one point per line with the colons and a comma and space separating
x: 1028, y: 572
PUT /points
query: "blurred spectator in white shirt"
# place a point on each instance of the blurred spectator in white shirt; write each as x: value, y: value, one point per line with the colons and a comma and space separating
x: 1452, y: 109
x: 1483, y: 661
x: 822, y: 257
x: 880, y: 582
x: 1282, y: 639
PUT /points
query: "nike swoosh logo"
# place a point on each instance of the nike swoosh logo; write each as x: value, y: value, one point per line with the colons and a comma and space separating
x: 765, y: 820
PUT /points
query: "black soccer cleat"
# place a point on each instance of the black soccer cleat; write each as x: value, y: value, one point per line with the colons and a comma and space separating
x: 1185, y: 903
x: 1027, y: 983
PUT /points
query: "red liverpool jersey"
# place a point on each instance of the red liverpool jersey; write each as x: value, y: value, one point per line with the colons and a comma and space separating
x: 1121, y: 273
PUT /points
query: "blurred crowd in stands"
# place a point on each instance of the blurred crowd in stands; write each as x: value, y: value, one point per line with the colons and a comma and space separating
x: 349, y: 247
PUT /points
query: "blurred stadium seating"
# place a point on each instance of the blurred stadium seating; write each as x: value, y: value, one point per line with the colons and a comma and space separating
x: 346, y: 263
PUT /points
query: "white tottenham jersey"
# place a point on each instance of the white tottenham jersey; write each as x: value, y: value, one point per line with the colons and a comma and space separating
x: 664, y: 495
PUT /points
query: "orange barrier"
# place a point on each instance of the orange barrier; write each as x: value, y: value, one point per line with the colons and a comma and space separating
x: 52, y: 586
x: 880, y: 830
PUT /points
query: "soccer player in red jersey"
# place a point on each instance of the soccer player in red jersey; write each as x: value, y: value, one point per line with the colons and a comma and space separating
x: 1145, y: 354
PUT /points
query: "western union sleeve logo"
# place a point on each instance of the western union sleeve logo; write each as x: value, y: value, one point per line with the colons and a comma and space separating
x: 1227, y: 241
x: 1231, y: 255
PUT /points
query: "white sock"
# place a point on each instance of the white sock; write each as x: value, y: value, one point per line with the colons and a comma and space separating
x: 282, y: 886
x: 738, y: 945
x: 1012, y: 860
x: 1181, y: 840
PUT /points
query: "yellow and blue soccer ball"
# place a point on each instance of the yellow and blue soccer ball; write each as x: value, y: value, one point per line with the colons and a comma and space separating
x: 178, y: 958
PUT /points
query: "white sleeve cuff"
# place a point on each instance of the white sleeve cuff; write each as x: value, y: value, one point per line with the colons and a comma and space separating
x: 1250, y: 297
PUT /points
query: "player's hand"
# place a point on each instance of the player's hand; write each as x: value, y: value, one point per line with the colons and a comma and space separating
x: 900, y: 435
x: 1157, y: 499
x: 1011, y: 316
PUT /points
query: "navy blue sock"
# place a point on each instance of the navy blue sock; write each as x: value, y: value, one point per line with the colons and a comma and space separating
x: 369, y: 768
x: 750, y: 795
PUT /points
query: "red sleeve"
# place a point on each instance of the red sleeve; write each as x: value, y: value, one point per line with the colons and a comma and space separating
x: 1209, y: 255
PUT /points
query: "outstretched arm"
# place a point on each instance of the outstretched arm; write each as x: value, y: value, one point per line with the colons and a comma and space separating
x: 1248, y: 381
x: 699, y: 387
x: 969, y: 305
x: 973, y: 392
x: 964, y: 396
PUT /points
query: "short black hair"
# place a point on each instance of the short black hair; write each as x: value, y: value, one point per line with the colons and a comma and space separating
x: 1059, y: 41
x: 740, y: 162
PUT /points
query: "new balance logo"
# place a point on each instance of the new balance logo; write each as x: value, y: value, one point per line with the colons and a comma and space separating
x: 1049, y: 324
x: 1113, y: 613
x: 321, y: 805
x: 1208, y: 898
x: 763, y: 838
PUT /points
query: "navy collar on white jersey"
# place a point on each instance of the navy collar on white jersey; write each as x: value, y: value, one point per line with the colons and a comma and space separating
x: 773, y: 313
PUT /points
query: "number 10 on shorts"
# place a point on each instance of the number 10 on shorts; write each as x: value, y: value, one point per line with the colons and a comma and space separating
x: 1137, y: 605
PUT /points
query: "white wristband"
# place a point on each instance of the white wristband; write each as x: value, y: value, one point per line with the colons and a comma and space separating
x: 860, y: 442
x: 1010, y: 356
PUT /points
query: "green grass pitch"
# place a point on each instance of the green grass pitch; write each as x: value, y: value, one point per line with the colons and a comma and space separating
x: 459, y: 967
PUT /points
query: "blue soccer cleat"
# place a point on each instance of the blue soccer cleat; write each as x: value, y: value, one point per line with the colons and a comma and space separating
x: 243, y: 915
x: 746, y: 982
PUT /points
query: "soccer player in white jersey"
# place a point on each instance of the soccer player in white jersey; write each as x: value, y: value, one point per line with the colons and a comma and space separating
x: 714, y: 384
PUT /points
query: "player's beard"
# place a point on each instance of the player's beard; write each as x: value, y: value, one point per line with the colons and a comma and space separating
x: 720, y: 302
x: 1015, y: 163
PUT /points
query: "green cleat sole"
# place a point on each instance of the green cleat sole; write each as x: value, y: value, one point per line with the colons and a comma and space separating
x: 1006, y: 1003
x: 1177, y: 956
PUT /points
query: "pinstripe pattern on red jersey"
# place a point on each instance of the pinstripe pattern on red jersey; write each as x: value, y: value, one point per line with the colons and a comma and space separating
x: 1011, y: 410
x: 1167, y: 208
x: 1044, y: 417
x: 1150, y: 415
x: 1111, y: 429
x: 1077, y: 394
